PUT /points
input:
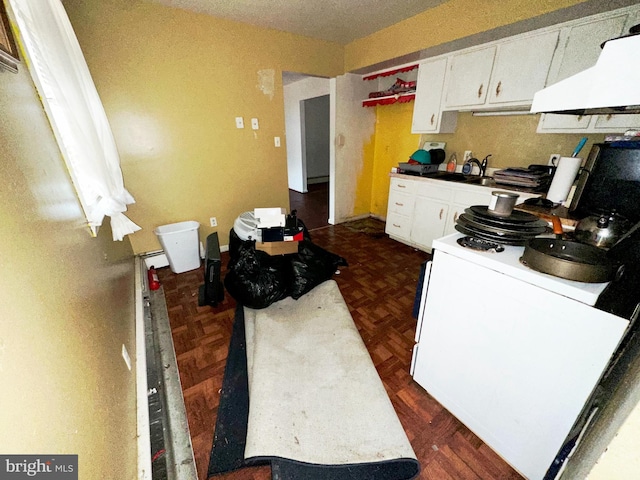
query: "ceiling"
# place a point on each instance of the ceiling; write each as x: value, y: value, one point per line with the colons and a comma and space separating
x: 340, y: 21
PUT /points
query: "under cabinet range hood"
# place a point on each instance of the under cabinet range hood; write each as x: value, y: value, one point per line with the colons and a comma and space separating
x: 612, y: 86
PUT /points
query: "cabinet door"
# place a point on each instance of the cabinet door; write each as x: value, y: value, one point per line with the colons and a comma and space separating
x: 521, y: 68
x: 426, y: 108
x: 580, y: 51
x: 616, y: 123
x: 464, y: 198
x: 468, y: 79
x: 429, y: 219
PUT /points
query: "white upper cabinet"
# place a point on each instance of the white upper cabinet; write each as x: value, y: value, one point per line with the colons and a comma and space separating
x: 468, y: 79
x: 580, y: 49
x: 427, y: 114
x: 521, y: 68
x: 505, y: 74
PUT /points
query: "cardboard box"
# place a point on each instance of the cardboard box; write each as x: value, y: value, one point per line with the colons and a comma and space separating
x: 277, y: 248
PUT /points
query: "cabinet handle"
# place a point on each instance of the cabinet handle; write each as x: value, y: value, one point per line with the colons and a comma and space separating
x: 432, y: 118
x: 396, y: 225
x: 498, y: 89
x: 480, y: 90
x: 441, y: 212
x: 400, y: 204
x: 580, y: 117
x: 609, y: 116
x: 401, y: 186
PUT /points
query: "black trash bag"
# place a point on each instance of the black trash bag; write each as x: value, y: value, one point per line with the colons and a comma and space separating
x: 311, y: 266
x: 235, y: 243
x: 254, y: 278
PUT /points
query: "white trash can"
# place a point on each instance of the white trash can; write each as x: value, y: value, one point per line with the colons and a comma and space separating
x: 181, y: 245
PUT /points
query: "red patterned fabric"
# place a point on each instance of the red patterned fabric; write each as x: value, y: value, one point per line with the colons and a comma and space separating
x: 391, y: 72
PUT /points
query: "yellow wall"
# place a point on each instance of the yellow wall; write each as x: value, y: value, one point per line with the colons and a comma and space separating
x: 172, y: 83
x: 66, y: 306
x: 452, y: 20
x: 393, y: 143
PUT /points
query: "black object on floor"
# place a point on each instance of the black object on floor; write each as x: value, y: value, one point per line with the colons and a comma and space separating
x: 229, y: 440
x: 212, y: 291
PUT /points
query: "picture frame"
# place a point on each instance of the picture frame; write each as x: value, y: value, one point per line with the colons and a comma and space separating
x: 8, y: 50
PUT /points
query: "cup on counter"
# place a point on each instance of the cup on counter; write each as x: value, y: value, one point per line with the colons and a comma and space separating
x: 502, y: 203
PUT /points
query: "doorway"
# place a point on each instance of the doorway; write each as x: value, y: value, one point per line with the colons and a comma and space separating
x: 307, y: 123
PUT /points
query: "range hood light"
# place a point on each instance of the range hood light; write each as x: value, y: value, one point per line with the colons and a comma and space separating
x: 612, y: 86
x: 497, y: 113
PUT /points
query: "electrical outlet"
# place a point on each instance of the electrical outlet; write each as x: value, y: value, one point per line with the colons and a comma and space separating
x: 213, y: 222
x: 553, y: 159
x: 239, y: 122
x: 467, y: 156
x: 276, y: 141
x: 254, y: 123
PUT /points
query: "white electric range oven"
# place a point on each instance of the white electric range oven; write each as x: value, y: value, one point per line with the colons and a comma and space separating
x: 513, y: 353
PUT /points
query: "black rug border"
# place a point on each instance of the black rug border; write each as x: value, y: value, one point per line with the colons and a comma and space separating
x: 229, y: 439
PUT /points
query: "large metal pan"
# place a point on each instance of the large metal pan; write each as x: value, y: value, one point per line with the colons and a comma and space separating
x: 569, y: 260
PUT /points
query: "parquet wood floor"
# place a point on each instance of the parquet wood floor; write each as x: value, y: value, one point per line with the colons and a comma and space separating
x: 379, y: 286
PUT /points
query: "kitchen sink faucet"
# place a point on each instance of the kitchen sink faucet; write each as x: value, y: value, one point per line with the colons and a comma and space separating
x: 481, y: 166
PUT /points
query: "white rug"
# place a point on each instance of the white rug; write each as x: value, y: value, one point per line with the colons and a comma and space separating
x: 314, y: 393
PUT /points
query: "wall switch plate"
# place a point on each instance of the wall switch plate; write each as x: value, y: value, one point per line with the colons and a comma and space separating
x: 254, y: 123
x: 239, y: 122
x: 213, y: 222
x: 276, y: 141
x: 467, y: 156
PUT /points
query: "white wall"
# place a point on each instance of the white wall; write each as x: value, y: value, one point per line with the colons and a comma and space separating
x: 351, y: 128
x: 294, y: 93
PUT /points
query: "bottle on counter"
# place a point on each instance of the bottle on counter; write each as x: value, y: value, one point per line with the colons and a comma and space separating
x: 452, y: 163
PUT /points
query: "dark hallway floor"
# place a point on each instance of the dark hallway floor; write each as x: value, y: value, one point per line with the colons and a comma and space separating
x: 313, y: 206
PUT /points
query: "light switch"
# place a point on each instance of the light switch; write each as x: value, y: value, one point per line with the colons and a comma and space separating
x: 254, y: 123
x: 239, y: 122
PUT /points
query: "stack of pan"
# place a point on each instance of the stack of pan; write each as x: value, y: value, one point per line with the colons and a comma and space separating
x: 515, y: 229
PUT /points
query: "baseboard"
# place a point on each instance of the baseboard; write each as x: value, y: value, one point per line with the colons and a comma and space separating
x: 314, y: 180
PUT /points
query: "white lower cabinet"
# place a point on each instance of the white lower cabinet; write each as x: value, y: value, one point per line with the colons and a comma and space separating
x: 420, y: 210
x: 430, y: 217
x: 513, y: 361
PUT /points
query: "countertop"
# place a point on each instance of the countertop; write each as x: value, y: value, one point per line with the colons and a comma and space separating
x: 508, y: 262
x: 568, y: 220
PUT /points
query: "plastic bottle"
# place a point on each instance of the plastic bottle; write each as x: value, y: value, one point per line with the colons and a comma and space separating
x: 452, y: 163
x: 154, y: 282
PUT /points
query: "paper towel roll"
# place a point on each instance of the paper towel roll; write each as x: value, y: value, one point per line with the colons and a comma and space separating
x: 563, y: 179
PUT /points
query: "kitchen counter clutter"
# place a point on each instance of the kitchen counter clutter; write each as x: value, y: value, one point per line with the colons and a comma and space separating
x: 421, y: 209
x: 514, y: 354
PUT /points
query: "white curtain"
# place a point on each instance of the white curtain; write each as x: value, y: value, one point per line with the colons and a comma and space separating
x: 75, y: 111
